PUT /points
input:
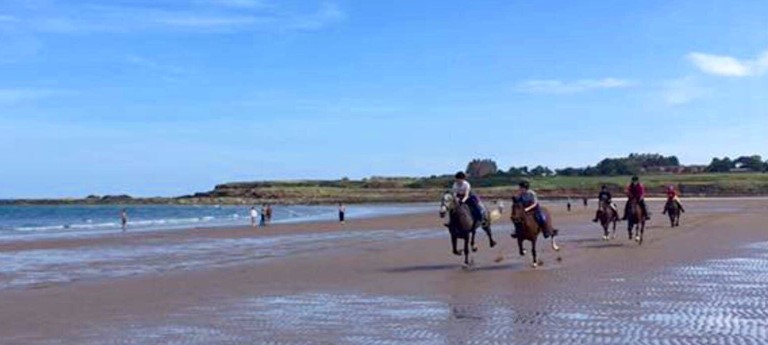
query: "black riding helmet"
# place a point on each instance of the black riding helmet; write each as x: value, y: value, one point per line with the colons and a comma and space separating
x: 635, y: 178
x: 604, y: 187
x: 460, y: 175
x: 524, y: 184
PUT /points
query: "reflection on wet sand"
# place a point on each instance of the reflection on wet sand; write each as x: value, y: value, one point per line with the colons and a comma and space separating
x: 719, y: 301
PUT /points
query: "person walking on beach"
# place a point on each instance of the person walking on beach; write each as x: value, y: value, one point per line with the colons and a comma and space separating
x: 124, y: 220
x: 342, y: 211
x: 254, y: 215
x: 568, y: 205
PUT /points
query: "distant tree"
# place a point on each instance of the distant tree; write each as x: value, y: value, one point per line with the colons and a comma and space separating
x: 541, y: 171
x: 754, y: 163
x: 479, y: 168
x: 720, y: 165
x: 518, y: 171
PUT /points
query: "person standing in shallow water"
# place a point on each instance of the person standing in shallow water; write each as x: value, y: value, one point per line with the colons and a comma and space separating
x: 263, y: 219
x: 342, y: 211
x: 269, y: 213
x: 254, y: 215
x: 124, y: 220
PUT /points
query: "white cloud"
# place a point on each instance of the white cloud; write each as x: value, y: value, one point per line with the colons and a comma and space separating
x: 682, y: 91
x: 728, y: 66
x: 552, y: 86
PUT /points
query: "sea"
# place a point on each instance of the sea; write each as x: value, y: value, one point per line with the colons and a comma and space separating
x: 49, y: 221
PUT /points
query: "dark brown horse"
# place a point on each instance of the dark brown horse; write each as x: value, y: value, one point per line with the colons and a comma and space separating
x: 607, y: 215
x: 672, y: 209
x: 461, y: 225
x: 635, y: 220
x: 527, y: 229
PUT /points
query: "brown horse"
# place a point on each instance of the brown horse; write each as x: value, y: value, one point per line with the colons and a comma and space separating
x: 528, y: 229
x: 635, y: 220
x: 672, y: 208
x: 607, y: 215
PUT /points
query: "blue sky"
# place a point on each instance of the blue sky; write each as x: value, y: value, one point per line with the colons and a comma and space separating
x: 171, y: 97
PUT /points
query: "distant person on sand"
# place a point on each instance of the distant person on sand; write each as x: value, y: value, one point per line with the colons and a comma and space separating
x: 342, y: 211
x: 124, y: 219
x: 269, y: 213
x: 254, y: 215
x: 568, y: 205
x: 586, y: 202
x: 263, y: 219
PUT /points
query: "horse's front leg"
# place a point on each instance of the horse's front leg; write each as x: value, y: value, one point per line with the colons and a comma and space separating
x: 533, y: 252
x: 454, y: 239
x: 487, y: 230
x: 466, y: 252
x: 554, y: 245
x: 520, y: 246
x: 472, y: 241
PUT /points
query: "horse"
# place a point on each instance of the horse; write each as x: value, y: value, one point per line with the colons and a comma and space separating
x: 527, y: 229
x: 607, y: 215
x: 635, y: 220
x: 461, y: 225
x: 672, y: 208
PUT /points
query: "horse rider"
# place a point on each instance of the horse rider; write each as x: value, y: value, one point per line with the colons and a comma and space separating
x: 604, y: 197
x: 636, y: 191
x: 463, y: 193
x: 531, y: 203
x: 672, y: 196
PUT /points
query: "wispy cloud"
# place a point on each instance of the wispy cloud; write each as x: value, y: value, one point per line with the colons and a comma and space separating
x: 553, y: 86
x: 15, y: 96
x: 681, y: 91
x: 167, y: 72
x: 728, y: 66
x: 202, y: 16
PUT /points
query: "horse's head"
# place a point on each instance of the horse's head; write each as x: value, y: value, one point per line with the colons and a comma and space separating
x: 446, y: 203
x: 518, y: 210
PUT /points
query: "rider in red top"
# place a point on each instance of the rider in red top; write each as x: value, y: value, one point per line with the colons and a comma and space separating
x: 636, y: 191
x: 673, y: 196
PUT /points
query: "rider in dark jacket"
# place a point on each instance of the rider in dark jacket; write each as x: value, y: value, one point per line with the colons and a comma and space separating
x: 531, y: 203
x: 604, y: 197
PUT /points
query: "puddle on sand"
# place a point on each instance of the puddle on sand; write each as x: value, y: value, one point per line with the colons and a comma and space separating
x: 52, y: 266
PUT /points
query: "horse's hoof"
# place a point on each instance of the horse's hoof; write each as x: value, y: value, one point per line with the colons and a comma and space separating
x: 637, y: 238
x: 535, y: 264
x: 555, y: 247
x: 605, y: 238
x: 493, y: 244
x: 523, y: 253
x: 474, y: 249
x: 458, y: 253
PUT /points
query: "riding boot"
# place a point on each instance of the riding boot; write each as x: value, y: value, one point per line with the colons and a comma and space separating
x: 597, y: 214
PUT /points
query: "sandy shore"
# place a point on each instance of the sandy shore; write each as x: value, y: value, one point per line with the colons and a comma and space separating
x: 393, y: 280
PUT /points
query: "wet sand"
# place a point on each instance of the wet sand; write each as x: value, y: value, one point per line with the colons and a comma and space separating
x: 393, y: 280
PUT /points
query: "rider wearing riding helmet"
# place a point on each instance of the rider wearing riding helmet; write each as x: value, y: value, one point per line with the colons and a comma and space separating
x: 604, y: 197
x: 531, y: 203
x: 463, y: 192
x: 636, y: 191
x: 673, y: 196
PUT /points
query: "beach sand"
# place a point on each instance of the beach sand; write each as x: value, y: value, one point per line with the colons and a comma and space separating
x: 394, y: 280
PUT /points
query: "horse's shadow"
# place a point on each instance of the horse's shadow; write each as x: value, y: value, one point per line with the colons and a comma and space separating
x: 450, y: 267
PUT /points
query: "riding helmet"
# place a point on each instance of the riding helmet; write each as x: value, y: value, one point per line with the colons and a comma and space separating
x: 524, y: 184
x: 635, y: 178
x: 461, y: 175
